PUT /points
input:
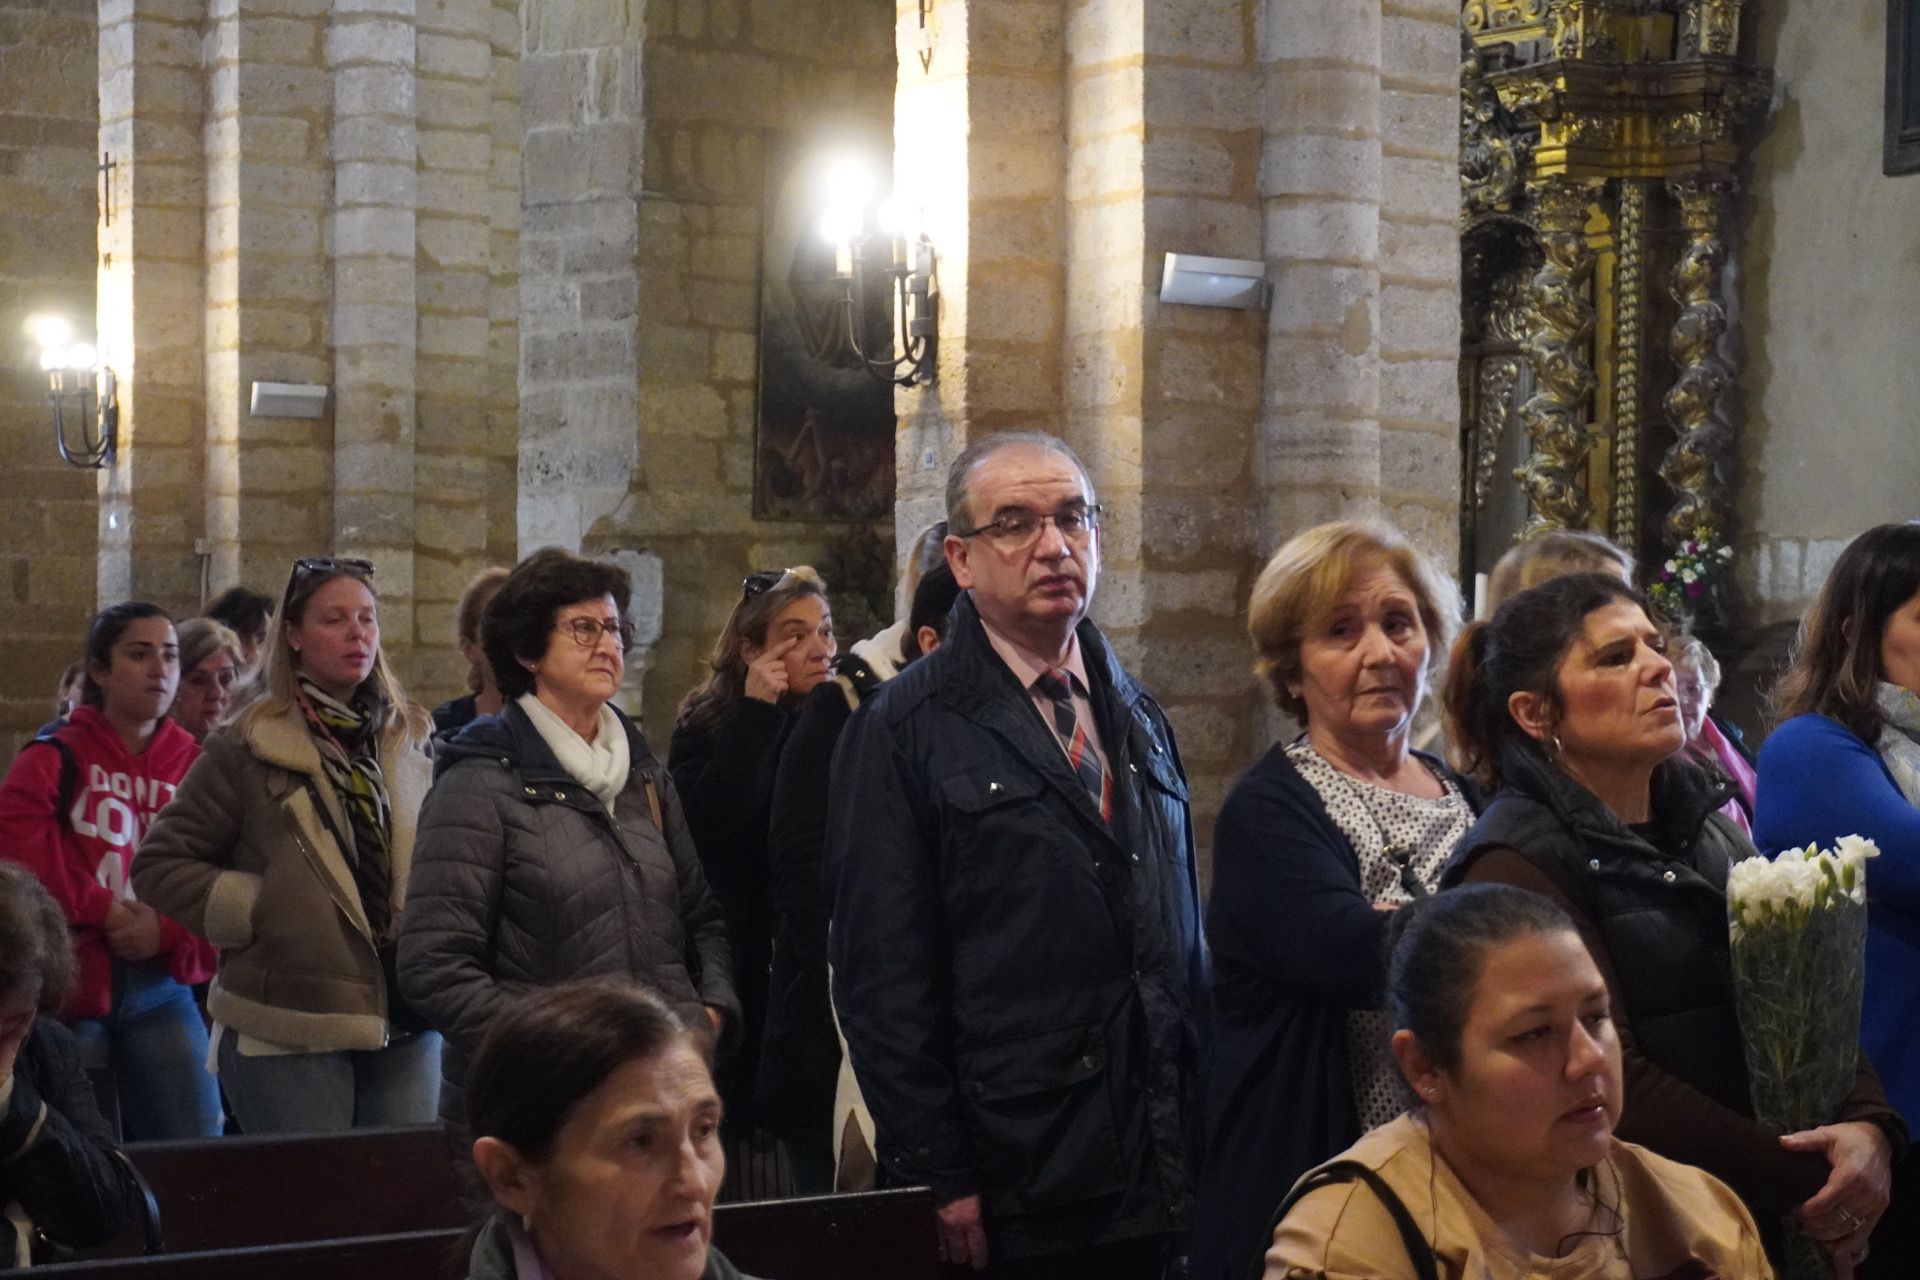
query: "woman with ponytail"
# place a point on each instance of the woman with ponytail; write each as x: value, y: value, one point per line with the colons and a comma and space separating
x: 1564, y: 707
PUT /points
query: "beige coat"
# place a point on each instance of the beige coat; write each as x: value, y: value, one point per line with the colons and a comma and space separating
x: 1653, y: 1217
x: 243, y: 857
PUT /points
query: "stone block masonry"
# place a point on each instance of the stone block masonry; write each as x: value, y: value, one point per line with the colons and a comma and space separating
x: 48, y: 539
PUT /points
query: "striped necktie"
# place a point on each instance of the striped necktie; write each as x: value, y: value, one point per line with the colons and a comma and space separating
x: 1057, y: 685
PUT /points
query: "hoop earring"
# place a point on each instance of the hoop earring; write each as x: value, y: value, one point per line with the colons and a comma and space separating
x: 1558, y: 750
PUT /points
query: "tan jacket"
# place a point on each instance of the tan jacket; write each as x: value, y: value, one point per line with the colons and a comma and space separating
x: 243, y: 857
x: 1654, y: 1218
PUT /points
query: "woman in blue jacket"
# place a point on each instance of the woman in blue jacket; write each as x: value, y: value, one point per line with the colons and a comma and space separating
x: 1846, y: 761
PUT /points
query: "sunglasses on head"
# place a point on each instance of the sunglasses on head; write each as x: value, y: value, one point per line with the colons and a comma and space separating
x: 306, y: 566
x: 763, y: 580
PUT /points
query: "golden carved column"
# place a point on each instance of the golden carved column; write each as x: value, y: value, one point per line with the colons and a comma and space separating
x: 1559, y: 323
x: 1695, y: 466
x: 1629, y: 333
x: 1709, y: 27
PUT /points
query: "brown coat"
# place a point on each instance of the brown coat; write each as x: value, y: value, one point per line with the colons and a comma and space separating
x: 243, y: 857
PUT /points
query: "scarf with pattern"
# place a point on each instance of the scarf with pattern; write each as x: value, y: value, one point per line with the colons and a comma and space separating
x: 348, y: 738
x: 1899, y: 744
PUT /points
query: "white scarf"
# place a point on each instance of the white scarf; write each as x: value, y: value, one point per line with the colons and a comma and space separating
x: 601, y: 766
x: 1899, y: 744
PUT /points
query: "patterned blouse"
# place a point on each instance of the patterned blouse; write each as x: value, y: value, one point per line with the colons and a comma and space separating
x: 1371, y: 818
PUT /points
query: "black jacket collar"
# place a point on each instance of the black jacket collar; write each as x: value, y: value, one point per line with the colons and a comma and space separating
x: 1684, y: 796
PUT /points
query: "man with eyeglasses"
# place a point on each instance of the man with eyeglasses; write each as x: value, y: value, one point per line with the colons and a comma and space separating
x: 1016, y: 934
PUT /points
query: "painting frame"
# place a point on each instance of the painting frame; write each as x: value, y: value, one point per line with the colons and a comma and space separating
x: 1903, y: 88
x: 824, y: 427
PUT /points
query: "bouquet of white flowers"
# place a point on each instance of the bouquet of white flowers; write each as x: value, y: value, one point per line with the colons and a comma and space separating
x: 1799, y: 930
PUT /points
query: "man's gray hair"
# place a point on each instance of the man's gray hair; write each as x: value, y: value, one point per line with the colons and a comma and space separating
x: 959, y: 518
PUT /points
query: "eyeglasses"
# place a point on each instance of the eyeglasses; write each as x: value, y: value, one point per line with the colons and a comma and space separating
x: 586, y: 632
x: 1018, y: 530
x: 761, y: 581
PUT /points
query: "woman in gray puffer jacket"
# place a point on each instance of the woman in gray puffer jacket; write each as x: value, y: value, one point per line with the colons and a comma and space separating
x: 552, y: 846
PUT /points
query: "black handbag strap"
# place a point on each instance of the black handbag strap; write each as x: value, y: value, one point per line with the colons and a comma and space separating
x: 1328, y: 1175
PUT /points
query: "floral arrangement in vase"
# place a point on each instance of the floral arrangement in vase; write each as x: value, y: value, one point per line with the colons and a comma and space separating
x: 1683, y: 583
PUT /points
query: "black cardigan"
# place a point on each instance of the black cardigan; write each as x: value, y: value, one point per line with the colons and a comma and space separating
x: 1296, y: 945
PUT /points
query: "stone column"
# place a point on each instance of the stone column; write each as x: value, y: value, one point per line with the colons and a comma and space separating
x: 1360, y: 179
x: 371, y: 53
x: 150, y: 298
x: 455, y: 459
x: 49, y: 135
x: 269, y: 184
x: 579, y: 278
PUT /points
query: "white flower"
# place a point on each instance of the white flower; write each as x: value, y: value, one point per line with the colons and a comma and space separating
x: 1688, y: 575
x: 1672, y: 567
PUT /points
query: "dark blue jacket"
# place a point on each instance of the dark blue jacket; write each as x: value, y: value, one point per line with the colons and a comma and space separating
x: 1818, y: 782
x: 1021, y: 985
x: 1296, y: 946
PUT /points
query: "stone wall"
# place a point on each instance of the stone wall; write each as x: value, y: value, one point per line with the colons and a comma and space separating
x: 1085, y: 141
x: 724, y: 81
x: 313, y: 193
x: 1826, y: 272
x: 47, y: 211
x: 1361, y: 184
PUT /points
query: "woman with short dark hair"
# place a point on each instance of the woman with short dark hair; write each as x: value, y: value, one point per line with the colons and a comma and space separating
x: 597, y: 1130
x: 553, y: 845
x: 73, y: 810
x: 1564, y: 707
x: 1845, y: 760
x: 59, y: 1174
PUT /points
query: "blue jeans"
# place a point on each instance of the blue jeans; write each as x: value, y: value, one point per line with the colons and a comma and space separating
x: 156, y: 1045
x: 332, y: 1092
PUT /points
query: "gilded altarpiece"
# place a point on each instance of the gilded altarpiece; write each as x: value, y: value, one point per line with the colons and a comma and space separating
x: 1601, y: 143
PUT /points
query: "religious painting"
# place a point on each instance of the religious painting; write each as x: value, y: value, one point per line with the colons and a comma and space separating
x: 1903, y: 87
x: 824, y: 443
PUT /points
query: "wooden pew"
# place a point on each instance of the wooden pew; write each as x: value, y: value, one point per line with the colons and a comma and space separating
x: 878, y: 1235
x: 236, y: 1193
x: 874, y: 1235
x: 410, y: 1255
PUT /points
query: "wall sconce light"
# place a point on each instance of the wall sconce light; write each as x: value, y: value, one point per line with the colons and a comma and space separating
x: 868, y: 239
x: 76, y: 377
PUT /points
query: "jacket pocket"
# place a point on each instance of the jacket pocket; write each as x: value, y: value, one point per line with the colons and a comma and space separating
x: 981, y: 791
x: 1042, y: 1122
x: 230, y: 906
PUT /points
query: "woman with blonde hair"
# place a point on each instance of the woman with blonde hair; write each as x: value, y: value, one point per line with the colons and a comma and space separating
x: 1316, y: 845
x: 776, y: 648
x: 288, y: 847
x: 210, y: 667
x: 1554, y: 553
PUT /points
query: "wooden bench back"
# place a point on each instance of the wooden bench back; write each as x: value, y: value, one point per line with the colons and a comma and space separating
x: 877, y: 1235
x: 234, y: 1193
